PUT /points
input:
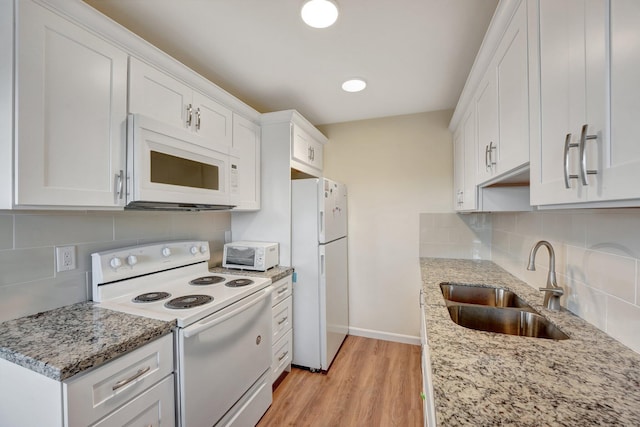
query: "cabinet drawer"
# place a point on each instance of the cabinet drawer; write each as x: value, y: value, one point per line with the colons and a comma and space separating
x: 93, y: 395
x: 282, y: 355
x: 281, y: 290
x: 281, y: 319
x: 155, y: 407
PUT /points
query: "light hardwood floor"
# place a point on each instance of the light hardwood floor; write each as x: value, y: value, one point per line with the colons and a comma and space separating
x: 371, y: 383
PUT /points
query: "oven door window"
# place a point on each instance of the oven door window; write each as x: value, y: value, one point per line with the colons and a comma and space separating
x: 241, y: 256
x: 168, y: 169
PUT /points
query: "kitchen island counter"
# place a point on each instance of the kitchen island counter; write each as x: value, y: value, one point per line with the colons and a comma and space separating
x: 484, y: 378
x: 63, y: 342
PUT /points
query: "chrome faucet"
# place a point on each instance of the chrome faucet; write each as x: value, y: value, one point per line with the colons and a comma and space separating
x: 552, y: 292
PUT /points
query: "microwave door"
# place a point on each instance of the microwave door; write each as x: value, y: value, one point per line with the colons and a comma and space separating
x: 170, y: 165
x: 240, y: 256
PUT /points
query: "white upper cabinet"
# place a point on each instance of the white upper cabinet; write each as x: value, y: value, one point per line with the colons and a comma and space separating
x: 464, y: 166
x: 513, y: 95
x: 502, y: 104
x: 571, y: 88
x: 245, y: 164
x: 306, y: 152
x: 70, y: 128
x: 487, y: 119
x: 155, y: 94
x: 619, y: 169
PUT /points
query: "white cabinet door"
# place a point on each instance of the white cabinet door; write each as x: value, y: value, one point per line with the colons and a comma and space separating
x: 159, y: 96
x: 71, y: 113
x: 212, y: 120
x: 464, y: 148
x: 571, y: 59
x: 307, y: 151
x: 245, y: 164
x: 619, y: 168
x: 513, y: 94
x: 487, y: 119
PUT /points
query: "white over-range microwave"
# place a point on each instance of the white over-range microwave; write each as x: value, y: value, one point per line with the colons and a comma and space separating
x: 258, y: 256
x: 174, y: 169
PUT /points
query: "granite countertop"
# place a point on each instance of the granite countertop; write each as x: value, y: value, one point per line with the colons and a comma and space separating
x: 275, y: 273
x: 488, y: 379
x: 66, y: 341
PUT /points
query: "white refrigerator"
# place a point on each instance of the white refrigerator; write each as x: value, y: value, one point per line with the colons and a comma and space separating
x: 319, y: 256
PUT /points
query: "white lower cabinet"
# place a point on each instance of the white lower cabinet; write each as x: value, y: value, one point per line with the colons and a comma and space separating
x: 134, y: 389
x: 282, y: 350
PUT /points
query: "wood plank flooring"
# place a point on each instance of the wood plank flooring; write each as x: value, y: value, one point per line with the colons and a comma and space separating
x: 371, y: 383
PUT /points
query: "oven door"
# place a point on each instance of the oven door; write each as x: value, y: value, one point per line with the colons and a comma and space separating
x: 171, y: 165
x: 221, y: 357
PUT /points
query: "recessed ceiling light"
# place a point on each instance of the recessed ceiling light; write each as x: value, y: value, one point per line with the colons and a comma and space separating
x: 354, y: 85
x: 319, y: 13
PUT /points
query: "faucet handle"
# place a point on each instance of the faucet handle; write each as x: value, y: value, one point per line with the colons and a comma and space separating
x: 556, y: 291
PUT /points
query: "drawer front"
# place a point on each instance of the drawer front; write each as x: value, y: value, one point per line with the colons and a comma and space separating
x: 281, y: 290
x: 282, y: 355
x: 281, y: 319
x: 154, y: 407
x: 93, y: 395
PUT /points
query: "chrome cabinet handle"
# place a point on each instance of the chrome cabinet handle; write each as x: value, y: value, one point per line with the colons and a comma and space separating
x: 492, y: 162
x: 281, y: 321
x: 486, y: 157
x: 567, y: 146
x: 133, y: 377
x: 198, y: 118
x: 282, y: 291
x: 583, y: 155
x: 282, y: 356
x: 120, y: 184
x: 189, y: 115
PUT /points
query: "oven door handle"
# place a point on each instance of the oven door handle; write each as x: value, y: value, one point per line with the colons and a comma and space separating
x: 214, y: 320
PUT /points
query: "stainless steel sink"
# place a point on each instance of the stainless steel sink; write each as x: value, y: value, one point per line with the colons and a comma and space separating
x: 505, y: 321
x: 482, y: 295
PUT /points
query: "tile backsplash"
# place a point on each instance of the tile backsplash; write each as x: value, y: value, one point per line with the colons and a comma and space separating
x: 28, y: 281
x: 597, y: 257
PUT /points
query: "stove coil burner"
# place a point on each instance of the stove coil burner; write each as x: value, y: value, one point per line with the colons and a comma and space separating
x: 151, y: 297
x: 188, y: 301
x: 206, y: 280
x: 238, y: 283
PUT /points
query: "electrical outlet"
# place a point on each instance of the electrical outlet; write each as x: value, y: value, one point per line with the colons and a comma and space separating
x: 65, y: 258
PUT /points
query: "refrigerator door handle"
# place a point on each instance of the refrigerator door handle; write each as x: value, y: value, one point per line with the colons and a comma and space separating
x: 322, y: 265
x: 321, y: 221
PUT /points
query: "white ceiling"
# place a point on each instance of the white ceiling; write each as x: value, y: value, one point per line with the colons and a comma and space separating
x: 414, y: 54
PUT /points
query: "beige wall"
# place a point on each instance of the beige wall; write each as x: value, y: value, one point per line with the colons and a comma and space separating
x: 395, y: 168
x: 28, y: 281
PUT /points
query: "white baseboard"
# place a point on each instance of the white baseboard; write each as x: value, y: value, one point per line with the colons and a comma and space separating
x: 385, y: 336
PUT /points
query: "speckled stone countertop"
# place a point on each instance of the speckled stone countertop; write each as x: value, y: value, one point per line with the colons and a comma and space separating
x: 489, y: 379
x: 66, y: 341
x: 275, y: 273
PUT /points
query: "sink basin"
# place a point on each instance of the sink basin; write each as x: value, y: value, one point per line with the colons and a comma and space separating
x: 482, y: 295
x: 505, y: 321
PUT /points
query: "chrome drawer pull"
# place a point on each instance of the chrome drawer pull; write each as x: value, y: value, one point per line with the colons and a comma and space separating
x: 281, y: 321
x: 283, y: 290
x: 282, y: 356
x: 567, y: 146
x: 583, y: 155
x: 134, y: 377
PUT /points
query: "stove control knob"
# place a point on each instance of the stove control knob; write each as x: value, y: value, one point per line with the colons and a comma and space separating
x: 203, y: 249
x: 193, y: 250
x: 115, y: 263
x: 132, y: 260
x: 166, y: 252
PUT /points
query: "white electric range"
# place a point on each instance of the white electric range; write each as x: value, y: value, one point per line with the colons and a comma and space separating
x: 223, y: 339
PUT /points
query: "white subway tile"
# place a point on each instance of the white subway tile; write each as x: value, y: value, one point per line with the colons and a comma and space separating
x: 612, y: 274
x: 26, y: 265
x: 142, y: 225
x: 33, y: 297
x: 505, y: 222
x: 529, y: 223
x: 588, y: 303
x: 6, y: 231
x: 623, y: 322
x: 60, y: 229
x: 569, y: 228
x: 614, y: 232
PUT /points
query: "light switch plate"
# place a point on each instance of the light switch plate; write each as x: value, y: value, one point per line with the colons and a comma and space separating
x: 65, y: 258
